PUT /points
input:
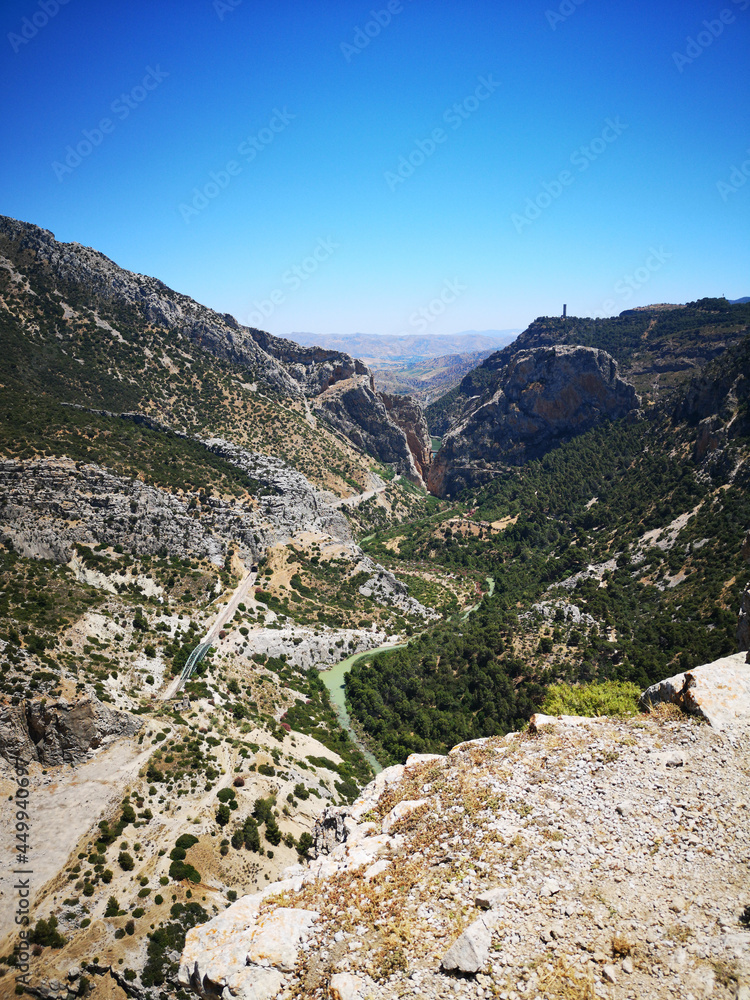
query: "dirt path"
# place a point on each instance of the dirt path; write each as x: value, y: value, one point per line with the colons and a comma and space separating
x: 358, y: 498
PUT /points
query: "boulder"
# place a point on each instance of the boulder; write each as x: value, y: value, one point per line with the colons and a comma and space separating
x: 471, y: 952
x: 344, y: 986
x: 718, y: 692
x: 400, y: 811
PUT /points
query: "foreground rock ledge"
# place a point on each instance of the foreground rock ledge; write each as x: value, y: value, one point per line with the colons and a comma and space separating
x: 609, y: 853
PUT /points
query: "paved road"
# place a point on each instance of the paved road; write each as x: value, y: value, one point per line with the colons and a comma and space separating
x: 220, y: 621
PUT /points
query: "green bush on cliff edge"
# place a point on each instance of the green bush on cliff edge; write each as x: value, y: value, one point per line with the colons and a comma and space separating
x: 613, y: 698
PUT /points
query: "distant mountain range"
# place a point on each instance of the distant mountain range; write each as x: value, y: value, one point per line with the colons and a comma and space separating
x: 409, y: 348
x: 739, y: 302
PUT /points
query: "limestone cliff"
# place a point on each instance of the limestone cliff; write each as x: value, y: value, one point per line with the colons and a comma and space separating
x: 382, y: 425
x: 538, y: 399
x: 408, y: 415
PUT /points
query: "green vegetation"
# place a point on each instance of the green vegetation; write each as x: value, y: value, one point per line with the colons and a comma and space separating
x: 612, y: 698
x: 658, y: 602
x: 46, y: 934
x: 165, y: 944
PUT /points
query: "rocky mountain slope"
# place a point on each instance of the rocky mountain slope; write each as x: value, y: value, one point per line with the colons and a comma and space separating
x: 658, y: 350
x: 61, y: 298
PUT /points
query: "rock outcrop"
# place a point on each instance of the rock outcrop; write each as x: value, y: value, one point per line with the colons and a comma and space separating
x: 406, y: 414
x: 383, y: 426
x: 718, y: 692
x: 539, y: 399
x: 60, y: 732
x: 49, y: 505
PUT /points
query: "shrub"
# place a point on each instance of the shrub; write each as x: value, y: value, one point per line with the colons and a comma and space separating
x: 46, y: 934
x: 113, y: 907
x: 185, y: 841
x: 304, y: 844
x: 613, y: 698
x: 179, y: 871
x: 125, y: 861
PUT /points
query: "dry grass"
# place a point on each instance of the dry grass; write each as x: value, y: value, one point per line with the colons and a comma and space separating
x: 621, y: 946
x: 561, y: 982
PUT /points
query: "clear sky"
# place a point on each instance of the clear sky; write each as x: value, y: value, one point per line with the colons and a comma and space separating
x: 337, y: 166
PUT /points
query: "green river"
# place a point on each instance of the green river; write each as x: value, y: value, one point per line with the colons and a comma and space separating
x: 334, y: 681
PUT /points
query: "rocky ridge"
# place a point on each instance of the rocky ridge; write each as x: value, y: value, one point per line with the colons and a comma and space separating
x: 84, y: 275
x: 585, y: 858
x: 539, y: 399
x: 48, y: 506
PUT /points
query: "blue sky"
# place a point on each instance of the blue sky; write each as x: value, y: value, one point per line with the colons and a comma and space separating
x: 471, y: 166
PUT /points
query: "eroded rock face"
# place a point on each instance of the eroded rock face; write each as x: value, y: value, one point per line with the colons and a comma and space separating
x: 406, y: 414
x: 541, y: 398
x: 58, y: 732
x: 355, y: 408
x: 48, y: 505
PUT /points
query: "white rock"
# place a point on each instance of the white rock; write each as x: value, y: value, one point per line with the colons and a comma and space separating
x: 491, y: 899
x: 399, y: 811
x: 253, y: 984
x: 718, y: 691
x: 609, y: 972
x: 344, y: 986
x: 471, y: 951
x: 276, y: 937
